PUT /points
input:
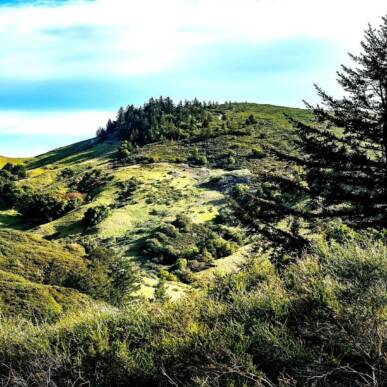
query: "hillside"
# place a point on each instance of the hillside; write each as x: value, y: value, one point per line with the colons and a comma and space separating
x: 166, y: 183
x: 12, y: 160
x: 126, y: 259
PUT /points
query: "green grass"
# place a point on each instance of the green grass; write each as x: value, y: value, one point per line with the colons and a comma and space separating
x: 35, y: 301
x: 12, y: 160
x: 39, y: 260
x: 33, y: 276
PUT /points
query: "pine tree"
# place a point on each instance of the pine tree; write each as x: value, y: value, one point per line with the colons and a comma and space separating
x: 342, y: 151
x: 339, y: 163
x: 345, y: 154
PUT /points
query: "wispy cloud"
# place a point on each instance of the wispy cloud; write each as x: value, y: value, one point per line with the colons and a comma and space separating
x: 91, y: 56
x: 139, y: 37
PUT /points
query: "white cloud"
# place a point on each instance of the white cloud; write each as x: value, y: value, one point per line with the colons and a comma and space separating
x: 138, y: 37
x: 81, y: 124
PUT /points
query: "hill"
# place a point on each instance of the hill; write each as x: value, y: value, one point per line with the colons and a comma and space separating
x: 167, y: 181
x: 121, y: 253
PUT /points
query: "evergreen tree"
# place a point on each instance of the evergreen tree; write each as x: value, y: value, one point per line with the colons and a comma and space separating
x: 341, y: 152
x: 345, y: 154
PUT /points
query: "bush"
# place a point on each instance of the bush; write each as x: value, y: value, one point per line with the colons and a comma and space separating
x: 109, y: 278
x: 218, y: 247
x: 95, y: 215
x: 126, y: 191
x: 258, y: 153
x: 16, y: 171
x: 250, y: 120
x: 197, y: 159
x: 90, y: 182
x: 321, y: 322
x: 43, y: 206
x: 182, y: 222
x: 168, y: 229
x: 125, y: 150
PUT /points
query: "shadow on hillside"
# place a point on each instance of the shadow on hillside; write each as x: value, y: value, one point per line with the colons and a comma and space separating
x: 12, y: 221
x: 75, y: 153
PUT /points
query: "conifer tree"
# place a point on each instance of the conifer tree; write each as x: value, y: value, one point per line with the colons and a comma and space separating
x: 341, y: 152
x: 344, y: 153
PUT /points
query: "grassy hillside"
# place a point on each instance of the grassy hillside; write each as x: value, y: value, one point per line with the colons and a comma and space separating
x: 12, y: 160
x: 168, y: 183
x: 35, y: 275
x: 121, y: 264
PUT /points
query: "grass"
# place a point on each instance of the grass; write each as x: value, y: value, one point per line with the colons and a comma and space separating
x: 21, y: 297
x: 152, y: 203
x: 11, y: 219
x: 39, y: 260
x: 12, y: 160
x: 33, y: 273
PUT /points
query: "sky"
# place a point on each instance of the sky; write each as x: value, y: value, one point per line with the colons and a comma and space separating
x: 66, y: 66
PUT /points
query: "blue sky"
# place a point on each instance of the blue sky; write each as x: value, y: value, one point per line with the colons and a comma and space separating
x: 66, y: 66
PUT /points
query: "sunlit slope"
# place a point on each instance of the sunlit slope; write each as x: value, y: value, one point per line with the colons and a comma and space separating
x: 35, y: 275
x: 4, y: 160
x: 168, y: 184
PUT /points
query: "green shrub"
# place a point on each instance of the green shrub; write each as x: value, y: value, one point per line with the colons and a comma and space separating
x: 321, y: 322
x: 15, y: 171
x: 90, y: 182
x: 168, y: 229
x: 197, y: 159
x: 182, y: 222
x: 95, y: 215
x: 109, y: 278
x: 43, y: 206
x: 125, y: 150
x: 258, y: 153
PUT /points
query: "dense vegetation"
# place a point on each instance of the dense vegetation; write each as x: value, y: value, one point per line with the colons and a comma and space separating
x: 204, y: 244
x: 158, y: 120
x: 321, y: 322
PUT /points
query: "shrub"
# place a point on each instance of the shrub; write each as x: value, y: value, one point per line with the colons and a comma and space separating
x: 182, y: 222
x: 166, y: 275
x: 43, y: 206
x: 95, y: 215
x: 218, y: 247
x: 16, y: 171
x: 168, y: 229
x: 320, y: 322
x: 258, y: 153
x: 197, y: 159
x: 125, y: 150
x: 181, y: 264
x: 90, y: 182
x: 250, y: 120
x: 109, y: 278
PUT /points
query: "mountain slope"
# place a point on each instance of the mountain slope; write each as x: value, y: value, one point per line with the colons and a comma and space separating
x: 156, y: 183
x: 35, y: 276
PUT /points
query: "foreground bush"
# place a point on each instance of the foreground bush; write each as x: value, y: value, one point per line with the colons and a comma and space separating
x: 321, y: 322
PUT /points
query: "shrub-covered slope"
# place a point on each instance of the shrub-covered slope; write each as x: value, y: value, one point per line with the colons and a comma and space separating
x: 37, y: 276
x: 188, y: 173
x: 122, y: 264
x: 319, y: 323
